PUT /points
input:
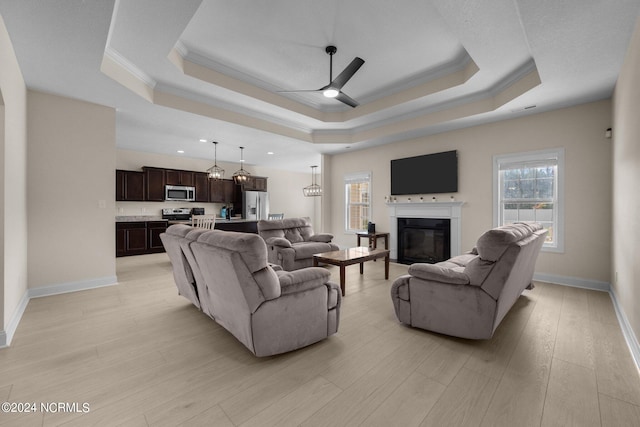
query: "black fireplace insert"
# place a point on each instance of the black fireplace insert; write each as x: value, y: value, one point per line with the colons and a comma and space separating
x: 423, y: 240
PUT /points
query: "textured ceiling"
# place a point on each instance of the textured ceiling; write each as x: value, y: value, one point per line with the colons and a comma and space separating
x: 180, y: 71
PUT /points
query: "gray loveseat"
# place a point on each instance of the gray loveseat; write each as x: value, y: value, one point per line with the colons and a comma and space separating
x: 468, y: 295
x: 291, y: 242
x: 269, y: 311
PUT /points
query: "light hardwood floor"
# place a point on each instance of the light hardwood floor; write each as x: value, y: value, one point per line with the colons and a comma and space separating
x: 140, y: 355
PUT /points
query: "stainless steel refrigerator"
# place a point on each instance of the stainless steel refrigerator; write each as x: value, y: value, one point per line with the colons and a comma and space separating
x: 255, y: 205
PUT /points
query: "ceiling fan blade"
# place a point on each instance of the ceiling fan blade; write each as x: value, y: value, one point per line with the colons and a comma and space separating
x: 299, y: 91
x: 347, y: 73
x: 346, y: 99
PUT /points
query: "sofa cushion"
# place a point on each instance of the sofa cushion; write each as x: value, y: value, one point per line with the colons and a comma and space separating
x: 293, y: 235
x: 300, y: 280
x: 458, y: 261
x: 322, y: 237
x: 438, y: 273
x: 477, y: 270
x: 307, y: 249
x: 278, y: 241
x: 251, y: 247
x: 492, y: 244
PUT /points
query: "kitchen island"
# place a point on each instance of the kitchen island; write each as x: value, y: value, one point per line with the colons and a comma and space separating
x: 235, y: 224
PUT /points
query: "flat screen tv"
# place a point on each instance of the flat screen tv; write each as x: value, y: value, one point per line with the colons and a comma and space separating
x: 431, y: 173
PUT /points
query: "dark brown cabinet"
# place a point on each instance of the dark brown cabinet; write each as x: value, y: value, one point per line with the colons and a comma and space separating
x: 154, y: 229
x: 131, y: 238
x: 178, y: 177
x: 154, y: 182
x: 149, y: 185
x: 256, y: 183
x: 201, y: 183
x: 129, y: 186
x: 140, y: 237
x: 221, y: 190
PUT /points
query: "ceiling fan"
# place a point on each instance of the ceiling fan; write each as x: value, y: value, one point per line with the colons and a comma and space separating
x: 333, y: 89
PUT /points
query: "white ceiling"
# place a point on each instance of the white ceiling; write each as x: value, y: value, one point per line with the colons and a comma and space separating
x: 179, y: 71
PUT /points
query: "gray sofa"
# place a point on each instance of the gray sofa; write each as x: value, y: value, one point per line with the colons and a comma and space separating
x: 467, y: 296
x: 291, y: 242
x: 269, y: 311
x: 189, y: 281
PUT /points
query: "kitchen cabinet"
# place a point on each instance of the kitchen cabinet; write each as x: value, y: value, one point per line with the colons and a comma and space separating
x: 201, y: 183
x: 256, y: 183
x: 154, y: 229
x: 139, y: 237
x: 179, y: 177
x: 149, y: 185
x: 129, y: 186
x: 154, y: 182
x: 221, y: 190
x: 131, y: 238
x: 239, y: 226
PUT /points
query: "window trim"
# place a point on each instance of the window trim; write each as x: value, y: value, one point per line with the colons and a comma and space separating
x: 351, y: 178
x: 540, y: 155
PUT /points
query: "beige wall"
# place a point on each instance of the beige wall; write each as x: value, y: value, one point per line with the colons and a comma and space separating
x: 285, y: 188
x: 71, y: 191
x: 626, y: 179
x: 13, y: 203
x: 580, y: 130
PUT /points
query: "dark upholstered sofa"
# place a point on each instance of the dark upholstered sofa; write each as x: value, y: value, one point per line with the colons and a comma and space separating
x: 227, y: 275
x: 468, y: 295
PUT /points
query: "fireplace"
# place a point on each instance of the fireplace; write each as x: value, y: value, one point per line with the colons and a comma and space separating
x: 450, y: 211
x: 423, y: 240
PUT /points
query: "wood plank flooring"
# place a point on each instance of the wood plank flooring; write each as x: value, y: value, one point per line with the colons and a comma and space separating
x: 138, y: 354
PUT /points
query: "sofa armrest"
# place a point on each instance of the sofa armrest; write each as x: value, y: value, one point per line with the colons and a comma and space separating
x: 438, y: 274
x: 322, y: 237
x: 278, y: 241
x: 303, y: 279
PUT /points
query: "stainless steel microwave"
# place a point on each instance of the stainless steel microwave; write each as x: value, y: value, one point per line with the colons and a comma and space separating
x: 179, y: 193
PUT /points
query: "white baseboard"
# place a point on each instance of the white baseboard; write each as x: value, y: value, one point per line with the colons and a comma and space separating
x: 63, y: 288
x: 625, y: 326
x: 627, y: 331
x: 575, y: 282
x: 7, y: 335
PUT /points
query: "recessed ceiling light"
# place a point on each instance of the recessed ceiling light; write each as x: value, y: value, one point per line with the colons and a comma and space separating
x: 181, y: 151
x: 269, y: 152
x: 203, y: 140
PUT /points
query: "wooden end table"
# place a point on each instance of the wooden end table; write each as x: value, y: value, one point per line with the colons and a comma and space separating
x: 373, y: 239
x: 352, y: 256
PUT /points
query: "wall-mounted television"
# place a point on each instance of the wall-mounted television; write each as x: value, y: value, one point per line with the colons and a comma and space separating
x: 431, y: 173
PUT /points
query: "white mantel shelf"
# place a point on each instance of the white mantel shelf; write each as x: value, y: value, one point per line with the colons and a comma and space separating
x: 428, y: 209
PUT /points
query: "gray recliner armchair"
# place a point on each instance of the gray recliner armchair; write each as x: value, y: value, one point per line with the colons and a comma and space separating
x: 467, y: 296
x: 291, y: 242
x: 269, y: 311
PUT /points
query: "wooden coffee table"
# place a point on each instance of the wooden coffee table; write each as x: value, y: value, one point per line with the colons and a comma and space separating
x: 352, y: 256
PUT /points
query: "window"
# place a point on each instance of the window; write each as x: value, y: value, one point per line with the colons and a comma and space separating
x: 358, y: 201
x: 529, y: 187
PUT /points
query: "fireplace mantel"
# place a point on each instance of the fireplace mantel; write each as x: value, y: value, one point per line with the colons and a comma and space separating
x: 450, y: 210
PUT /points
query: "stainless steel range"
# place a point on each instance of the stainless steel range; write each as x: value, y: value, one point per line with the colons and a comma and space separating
x: 176, y: 214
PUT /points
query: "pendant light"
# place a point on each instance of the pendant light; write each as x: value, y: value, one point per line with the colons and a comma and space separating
x: 241, y: 176
x: 314, y: 189
x: 215, y: 171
